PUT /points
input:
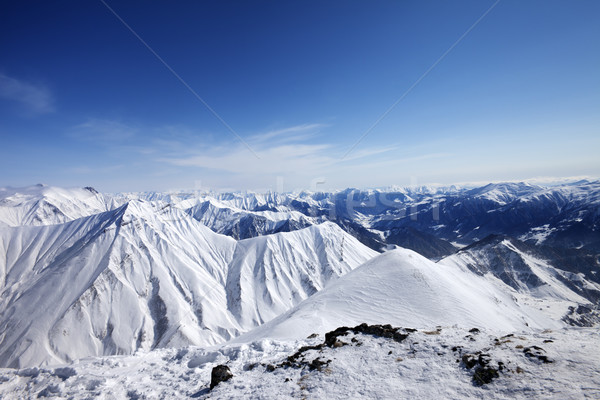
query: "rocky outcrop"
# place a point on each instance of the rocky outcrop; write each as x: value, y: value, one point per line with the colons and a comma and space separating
x: 220, y: 373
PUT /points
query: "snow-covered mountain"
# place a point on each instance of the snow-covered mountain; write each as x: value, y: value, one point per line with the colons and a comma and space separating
x: 528, y: 269
x: 148, y: 275
x: 243, y: 224
x: 249, y: 276
x: 89, y: 274
x: 561, y: 283
x: 430, y: 220
x: 44, y: 205
x: 403, y: 288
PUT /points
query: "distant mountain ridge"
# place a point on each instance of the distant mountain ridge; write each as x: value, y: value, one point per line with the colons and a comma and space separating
x: 566, y: 215
x: 435, y: 222
x: 45, y: 205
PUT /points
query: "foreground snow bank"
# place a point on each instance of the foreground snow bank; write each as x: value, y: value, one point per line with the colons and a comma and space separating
x: 425, y: 364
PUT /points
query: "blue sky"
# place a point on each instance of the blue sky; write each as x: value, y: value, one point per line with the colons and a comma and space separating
x: 84, y: 102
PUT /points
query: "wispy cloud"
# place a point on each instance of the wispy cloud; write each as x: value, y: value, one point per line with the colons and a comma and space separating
x: 103, y: 130
x: 280, y: 159
x: 36, y: 99
x: 368, y: 152
x: 293, y: 133
x: 282, y: 152
x: 294, y: 154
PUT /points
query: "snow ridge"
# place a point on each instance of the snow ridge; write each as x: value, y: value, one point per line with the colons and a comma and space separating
x: 147, y: 275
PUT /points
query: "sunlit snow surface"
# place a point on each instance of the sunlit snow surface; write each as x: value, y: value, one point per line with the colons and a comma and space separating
x: 84, y: 276
x: 423, y: 366
x: 402, y: 288
x: 148, y: 275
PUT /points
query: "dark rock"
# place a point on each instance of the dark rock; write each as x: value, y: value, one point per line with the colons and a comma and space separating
x: 386, y: 331
x: 292, y: 361
x: 538, y: 353
x: 270, y: 368
x: 484, y: 375
x: 469, y: 361
x: 399, y: 337
x: 297, y: 360
x: 318, y: 364
x: 64, y: 373
x: 474, y: 330
x: 331, y: 337
x: 220, y: 373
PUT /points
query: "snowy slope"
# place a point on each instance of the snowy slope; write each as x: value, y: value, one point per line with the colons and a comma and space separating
x: 521, y: 271
x: 402, y: 288
x: 270, y: 274
x: 426, y: 365
x: 148, y: 275
x: 108, y: 284
x: 45, y: 205
x: 506, y: 263
x: 242, y: 224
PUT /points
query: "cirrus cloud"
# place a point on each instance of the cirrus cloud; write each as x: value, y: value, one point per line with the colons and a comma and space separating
x: 36, y: 99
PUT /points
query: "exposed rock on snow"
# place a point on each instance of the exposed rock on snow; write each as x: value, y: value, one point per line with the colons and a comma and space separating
x: 423, y: 365
x: 220, y: 373
x: 583, y: 315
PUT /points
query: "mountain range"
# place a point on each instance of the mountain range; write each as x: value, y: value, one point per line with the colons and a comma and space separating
x: 88, y: 274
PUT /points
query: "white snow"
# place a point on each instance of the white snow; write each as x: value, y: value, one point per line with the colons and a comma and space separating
x: 553, y: 297
x: 423, y: 366
x: 44, y: 205
x: 148, y: 275
x: 133, y: 296
x: 402, y: 288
